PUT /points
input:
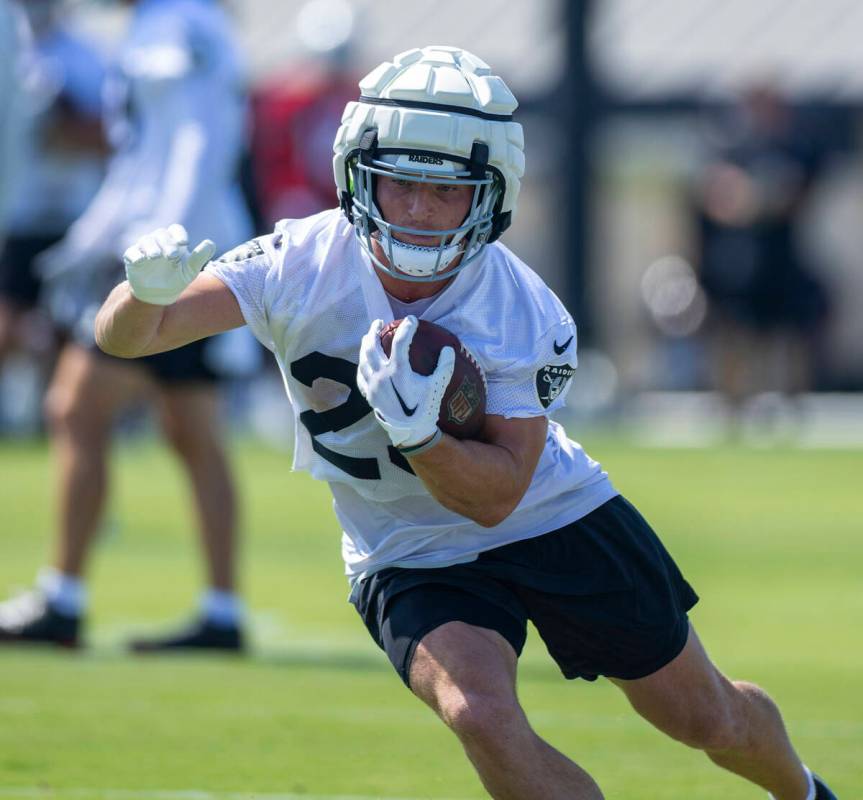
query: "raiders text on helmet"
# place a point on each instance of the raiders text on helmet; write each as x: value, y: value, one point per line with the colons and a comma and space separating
x: 435, y: 115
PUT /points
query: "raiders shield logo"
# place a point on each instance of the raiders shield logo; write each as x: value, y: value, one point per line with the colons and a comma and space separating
x: 551, y: 380
x: 463, y: 403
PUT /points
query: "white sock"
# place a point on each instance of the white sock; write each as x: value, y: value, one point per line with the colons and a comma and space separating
x: 811, y: 795
x: 222, y: 608
x: 64, y: 593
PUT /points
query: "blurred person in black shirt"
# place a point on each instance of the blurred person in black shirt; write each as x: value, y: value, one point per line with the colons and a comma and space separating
x: 767, y: 305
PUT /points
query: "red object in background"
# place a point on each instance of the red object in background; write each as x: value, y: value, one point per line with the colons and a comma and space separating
x: 295, y: 120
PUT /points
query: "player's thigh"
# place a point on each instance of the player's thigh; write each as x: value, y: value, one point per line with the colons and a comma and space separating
x: 467, y: 675
x: 88, y: 388
x: 445, y: 624
x: 689, y: 698
x: 189, y: 413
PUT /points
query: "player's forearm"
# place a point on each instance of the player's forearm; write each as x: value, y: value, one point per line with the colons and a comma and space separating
x: 484, y: 482
x: 125, y: 326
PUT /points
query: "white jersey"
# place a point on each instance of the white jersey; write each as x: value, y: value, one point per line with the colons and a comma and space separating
x: 309, y: 293
x: 176, y: 115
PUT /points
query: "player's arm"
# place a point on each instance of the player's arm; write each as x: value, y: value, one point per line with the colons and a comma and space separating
x: 166, y: 301
x: 484, y: 480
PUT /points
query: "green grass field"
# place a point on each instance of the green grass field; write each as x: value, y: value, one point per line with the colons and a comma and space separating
x: 772, y: 541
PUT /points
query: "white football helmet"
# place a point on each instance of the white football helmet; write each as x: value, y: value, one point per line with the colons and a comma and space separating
x: 435, y: 115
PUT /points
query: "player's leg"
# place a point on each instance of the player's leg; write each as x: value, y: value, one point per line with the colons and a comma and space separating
x: 454, y: 635
x: 190, y: 420
x: 615, y: 604
x: 467, y: 675
x: 86, y: 392
x: 737, y: 725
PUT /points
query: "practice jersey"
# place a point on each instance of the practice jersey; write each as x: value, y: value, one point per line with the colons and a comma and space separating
x: 176, y: 116
x: 309, y: 294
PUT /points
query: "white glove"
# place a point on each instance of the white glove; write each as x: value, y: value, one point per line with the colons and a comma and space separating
x: 406, y: 404
x: 159, y: 266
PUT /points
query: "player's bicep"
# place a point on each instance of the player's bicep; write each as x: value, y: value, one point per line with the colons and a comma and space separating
x: 523, y: 437
x: 205, y: 308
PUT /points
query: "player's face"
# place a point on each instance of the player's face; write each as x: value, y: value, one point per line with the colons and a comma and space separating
x: 426, y: 206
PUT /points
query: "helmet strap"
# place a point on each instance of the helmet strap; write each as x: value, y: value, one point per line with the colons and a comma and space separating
x: 367, y: 147
x: 478, y: 160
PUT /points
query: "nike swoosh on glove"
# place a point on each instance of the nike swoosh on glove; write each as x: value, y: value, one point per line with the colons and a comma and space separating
x: 405, y: 403
x: 159, y: 265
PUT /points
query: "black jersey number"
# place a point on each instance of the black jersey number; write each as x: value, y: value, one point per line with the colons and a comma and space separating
x: 317, y: 365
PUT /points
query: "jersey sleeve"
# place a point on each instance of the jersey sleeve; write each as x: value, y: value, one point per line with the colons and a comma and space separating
x: 271, y: 275
x: 248, y: 272
x: 537, y: 383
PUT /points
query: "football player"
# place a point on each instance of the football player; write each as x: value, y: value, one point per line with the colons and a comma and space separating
x: 177, y: 118
x: 451, y: 546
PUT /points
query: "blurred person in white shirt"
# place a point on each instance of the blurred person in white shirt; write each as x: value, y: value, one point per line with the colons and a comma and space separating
x: 176, y: 115
x: 59, y: 154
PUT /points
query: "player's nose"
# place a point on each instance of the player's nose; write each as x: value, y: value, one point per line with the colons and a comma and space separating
x: 420, y: 206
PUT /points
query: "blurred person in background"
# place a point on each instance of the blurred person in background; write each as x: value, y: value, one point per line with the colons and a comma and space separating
x: 60, y: 156
x: 176, y: 116
x: 767, y: 304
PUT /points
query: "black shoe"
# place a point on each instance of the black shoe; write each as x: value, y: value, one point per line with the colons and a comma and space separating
x: 199, y: 635
x: 821, y: 790
x: 29, y: 619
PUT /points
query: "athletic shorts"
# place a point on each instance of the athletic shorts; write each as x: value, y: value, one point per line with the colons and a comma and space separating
x: 19, y: 283
x: 603, y: 593
x: 186, y: 364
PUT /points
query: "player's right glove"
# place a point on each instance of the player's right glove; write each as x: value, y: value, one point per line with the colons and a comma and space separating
x: 159, y: 265
x: 406, y: 404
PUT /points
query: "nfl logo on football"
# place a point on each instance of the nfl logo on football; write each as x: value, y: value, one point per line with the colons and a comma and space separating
x: 463, y: 402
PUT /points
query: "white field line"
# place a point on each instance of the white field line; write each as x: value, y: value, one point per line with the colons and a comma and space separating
x: 38, y: 792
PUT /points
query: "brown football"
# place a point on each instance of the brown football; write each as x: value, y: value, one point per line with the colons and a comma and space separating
x: 462, y: 410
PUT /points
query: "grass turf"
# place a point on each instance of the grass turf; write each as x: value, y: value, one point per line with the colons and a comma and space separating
x: 770, y: 539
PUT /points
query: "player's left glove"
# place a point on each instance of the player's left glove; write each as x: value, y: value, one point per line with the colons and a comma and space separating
x: 406, y: 404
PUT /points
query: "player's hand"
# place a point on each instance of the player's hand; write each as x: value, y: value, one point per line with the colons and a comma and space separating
x: 405, y: 403
x: 159, y: 265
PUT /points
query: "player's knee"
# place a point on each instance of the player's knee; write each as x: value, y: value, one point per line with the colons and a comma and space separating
x: 173, y: 434
x: 193, y: 440
x: 189, y: 442
x: 479, y: 716
x: 66, y: 414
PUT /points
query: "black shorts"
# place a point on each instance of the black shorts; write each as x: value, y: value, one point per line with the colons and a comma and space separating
x: 187, y: 364
x: 603, y: 593
x: 19, y: 283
